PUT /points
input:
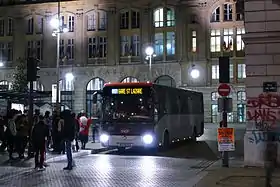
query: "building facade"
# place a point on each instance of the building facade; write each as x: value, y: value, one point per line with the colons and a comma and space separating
x: 106, y: 40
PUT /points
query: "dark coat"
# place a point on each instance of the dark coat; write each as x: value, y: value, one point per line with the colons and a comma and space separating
x: 39, y: 133
x: 69, y: 128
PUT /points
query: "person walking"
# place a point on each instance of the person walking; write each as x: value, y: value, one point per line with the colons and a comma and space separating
x: 84, y: 130
x: 40, y: 133
x: 77, y: 130
x: 68, y: 136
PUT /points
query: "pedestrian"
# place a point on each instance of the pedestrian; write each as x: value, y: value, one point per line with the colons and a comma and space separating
x: 68, y: 136
x: 77, y: 130
x: 11, y: 132
x: 84, y: 130
x: 39, y: 136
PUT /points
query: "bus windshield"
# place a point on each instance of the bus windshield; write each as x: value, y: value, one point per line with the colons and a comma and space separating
x: 128, y: 108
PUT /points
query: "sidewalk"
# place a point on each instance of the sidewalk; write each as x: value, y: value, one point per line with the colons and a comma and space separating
x: 91, y: 148
x: 236, y: 176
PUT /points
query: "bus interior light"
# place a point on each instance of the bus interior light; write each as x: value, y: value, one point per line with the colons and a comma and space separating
x: 104, y: 138
x: 148, y: 139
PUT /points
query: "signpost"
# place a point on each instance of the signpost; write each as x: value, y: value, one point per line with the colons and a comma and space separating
x: 224, y: 90
x: 226, y: 139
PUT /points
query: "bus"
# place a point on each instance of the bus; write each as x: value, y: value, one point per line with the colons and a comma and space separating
x: 147, y: 115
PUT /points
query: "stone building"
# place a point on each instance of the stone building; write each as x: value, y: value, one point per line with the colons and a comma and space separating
x: 106, y: 42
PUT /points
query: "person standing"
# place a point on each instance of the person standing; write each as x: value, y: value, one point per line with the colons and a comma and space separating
x: 39, y: 135
x: 68, y: 136
x: 84, y: 130
x: 77, y: 130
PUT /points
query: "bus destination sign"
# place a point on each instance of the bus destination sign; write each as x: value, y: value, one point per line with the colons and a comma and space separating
x: 127, y: 91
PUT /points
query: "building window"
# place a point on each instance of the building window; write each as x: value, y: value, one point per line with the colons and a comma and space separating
x: 228, y: 38
x: 159, y: 44
x: 214, y: 113
x: 30, y: 26
x: 241, y: 71
x: 10, y: 52
x: 70, y: 49
x: 102, y: 24
x: 231, y: 71
x: 239, y: 10
x: 61, y: 49
x: 125, y: 46
x: 130, y: 79
x: 10, y: 28
x: 227, y: 12
x: 135, y: 20
x: 35, y: 49
x: 93, y: 100
x: 170, y: 43
x: 216, y: 15
x: 239, y: 42
x: 91, y: 22
x: 6, y: 51
x: 102, y: 47
x: 135, y: 45
x: 215, y: 41
x: 241, y: 96
x: 214, y: 96
x: 124, y: 20
x: 71, y: 23
x: 159, y: 17
x: 2, y: 27
x: 194, y: 41
x: 241, y: 112
x: 215, y: 71
x: 39, y: 51
x: 39, y: 28
x: 97, y: 47
x: 170, y: 17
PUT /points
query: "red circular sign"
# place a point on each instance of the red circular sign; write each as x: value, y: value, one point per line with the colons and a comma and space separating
x: 224, y: 90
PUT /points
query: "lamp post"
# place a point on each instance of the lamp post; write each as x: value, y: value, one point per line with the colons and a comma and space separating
x: 150, y: 54
x: 58, y: 29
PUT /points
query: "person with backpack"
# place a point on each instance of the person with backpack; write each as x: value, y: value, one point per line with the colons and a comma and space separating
x: 40, y: 133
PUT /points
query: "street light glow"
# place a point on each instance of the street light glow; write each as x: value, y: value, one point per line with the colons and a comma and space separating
x: 65, y: 29
x: 1, y: 64
x: 69, y: 77
x: 195, y: 73
x: 149, y: 51
x: 54, y: 23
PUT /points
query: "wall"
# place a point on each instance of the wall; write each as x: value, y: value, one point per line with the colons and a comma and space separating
x: 262, y: 24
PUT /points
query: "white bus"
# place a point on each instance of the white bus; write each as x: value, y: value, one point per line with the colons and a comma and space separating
x: 148, y: 115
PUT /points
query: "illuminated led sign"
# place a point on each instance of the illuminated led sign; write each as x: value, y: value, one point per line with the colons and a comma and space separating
x: 127, y: 91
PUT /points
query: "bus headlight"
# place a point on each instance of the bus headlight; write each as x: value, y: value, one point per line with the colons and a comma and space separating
x: 104, y: 138
x: 148, y: 139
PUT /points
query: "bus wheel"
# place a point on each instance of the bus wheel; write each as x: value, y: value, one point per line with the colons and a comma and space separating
x: 193, y: 138
x: 121, y: 149
x: 166, y: 143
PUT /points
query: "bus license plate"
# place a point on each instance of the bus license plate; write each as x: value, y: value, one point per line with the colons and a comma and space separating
x: 125, y: 144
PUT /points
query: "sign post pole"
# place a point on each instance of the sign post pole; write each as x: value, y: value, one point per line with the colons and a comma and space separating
x: 225, y: 153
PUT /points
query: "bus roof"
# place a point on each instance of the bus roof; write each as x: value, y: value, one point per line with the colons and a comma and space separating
x: 117, y: 84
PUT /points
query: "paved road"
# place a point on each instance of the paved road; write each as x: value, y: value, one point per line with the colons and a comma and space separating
x: 108, y: 171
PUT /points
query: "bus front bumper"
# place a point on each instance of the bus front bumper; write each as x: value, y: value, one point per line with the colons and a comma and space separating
x: 116, y: 141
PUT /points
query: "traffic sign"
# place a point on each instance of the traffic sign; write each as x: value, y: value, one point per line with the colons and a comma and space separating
x: 224, y: 90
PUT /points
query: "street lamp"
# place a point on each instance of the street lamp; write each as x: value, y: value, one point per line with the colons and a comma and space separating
x: 1, y: 64
x: 150, y: 54
x: 58, y: 29
x: 69, y: 77
x: 195, y: 73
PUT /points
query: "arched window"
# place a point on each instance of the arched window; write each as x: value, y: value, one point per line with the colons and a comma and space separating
x: 93, y: 103
x: 37, y: 85
x: 166, y: 80
x: 164, y: 39
x: 5, y: 85
x: 66, y: 91
x: 216, y: 15
x: 130, y: 79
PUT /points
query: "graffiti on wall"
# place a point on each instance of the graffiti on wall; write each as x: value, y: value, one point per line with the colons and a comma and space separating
x: 264, y: 112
